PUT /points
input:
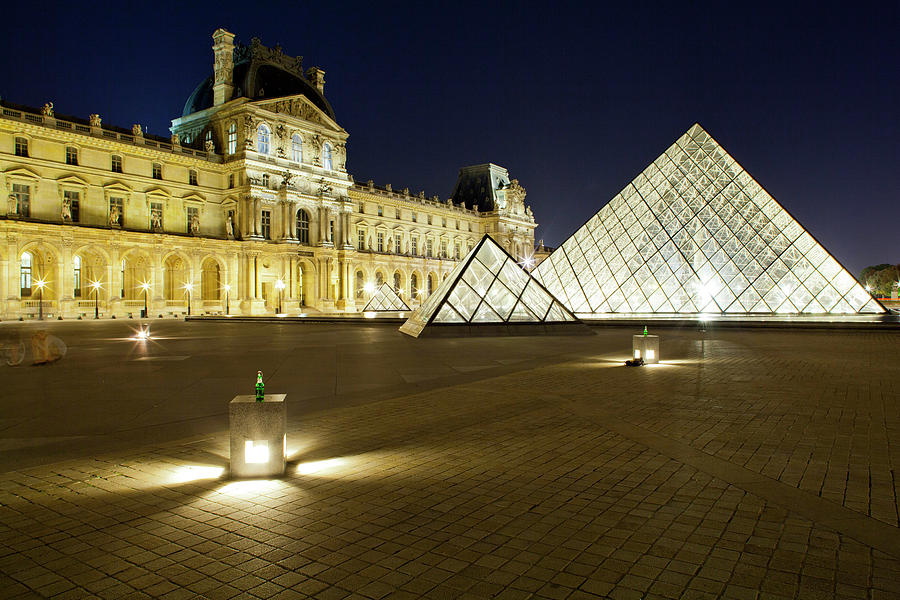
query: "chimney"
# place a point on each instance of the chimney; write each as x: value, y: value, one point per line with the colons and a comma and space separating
x: 316, y: 77
x: 223, y: 52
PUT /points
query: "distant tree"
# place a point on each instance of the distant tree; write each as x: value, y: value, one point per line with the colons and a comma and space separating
x: 881, y: 278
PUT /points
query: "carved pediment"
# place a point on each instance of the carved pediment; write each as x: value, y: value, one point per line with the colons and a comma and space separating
x: 21, y: 172
x: 299, y: 106
x: 72, y: 180
x: 192, y: 197
x: 158, y: 192
x: 117, y: 186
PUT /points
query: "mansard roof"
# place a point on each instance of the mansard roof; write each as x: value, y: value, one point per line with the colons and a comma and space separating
x: 261, y: 73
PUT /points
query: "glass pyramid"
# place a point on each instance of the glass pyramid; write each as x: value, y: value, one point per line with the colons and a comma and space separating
x: 385, y: 298
x: 487, y: 287
x: 694, y: 233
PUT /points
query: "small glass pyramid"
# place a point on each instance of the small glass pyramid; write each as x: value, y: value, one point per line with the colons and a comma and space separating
x: 694, y: 233
x: 487, y: 286
x: 385, y: 298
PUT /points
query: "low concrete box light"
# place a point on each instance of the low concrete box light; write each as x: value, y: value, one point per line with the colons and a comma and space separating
x: 646, y: 347
x: 257, y: 435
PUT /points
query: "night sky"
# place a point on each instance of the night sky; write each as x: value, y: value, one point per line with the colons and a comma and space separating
x: 574, y: 100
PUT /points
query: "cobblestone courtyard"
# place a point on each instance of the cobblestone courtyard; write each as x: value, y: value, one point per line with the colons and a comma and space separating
x: 750, y: 464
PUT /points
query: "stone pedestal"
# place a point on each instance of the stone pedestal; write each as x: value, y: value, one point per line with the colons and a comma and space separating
x: 257, y: 435
x: 646, y: 347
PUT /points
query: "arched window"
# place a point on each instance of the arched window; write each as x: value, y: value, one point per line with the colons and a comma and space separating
x: 25, y: 277
x: 76, y: 268
x: 296, y: 148
x: 326, y: 156
x: 232, y: 138
x: 262, y: 136
x: 397, y: 282
x: 413, y: 285
x: 379, y: 279
x: 303, y: 226
x: 430, y: 283
x: 360, y: 284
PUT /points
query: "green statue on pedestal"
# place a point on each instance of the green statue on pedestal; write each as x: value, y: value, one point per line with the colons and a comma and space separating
x: 260, y: 387
x: 645, y: 330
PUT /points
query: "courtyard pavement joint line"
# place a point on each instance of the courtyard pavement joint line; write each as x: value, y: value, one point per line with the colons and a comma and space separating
x: 819, y: 510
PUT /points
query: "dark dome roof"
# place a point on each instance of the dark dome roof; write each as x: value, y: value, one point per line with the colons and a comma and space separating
x: 257, y: 79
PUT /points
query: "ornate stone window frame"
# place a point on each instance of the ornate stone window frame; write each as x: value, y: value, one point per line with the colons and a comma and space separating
x: 72, y: 183
x: 117, y: 190
x: 20, y: 176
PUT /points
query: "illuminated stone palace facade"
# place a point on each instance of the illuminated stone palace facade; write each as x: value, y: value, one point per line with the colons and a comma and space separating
x: 248, y: 207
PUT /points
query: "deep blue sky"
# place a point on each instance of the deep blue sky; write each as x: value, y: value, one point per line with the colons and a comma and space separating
x: 574, y: 100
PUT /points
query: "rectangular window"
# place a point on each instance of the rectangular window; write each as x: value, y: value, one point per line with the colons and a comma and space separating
x: 23, y: 199
x: 380, y: 210
x: 380, y: 237
x: 443, y: 221
x: 21, y: 146
x: 428, y: 248
x: 265, y: 180
x: 116, y: 164
x: 232, y: 138
x: 361, y: 239
x: 331, y: 231
x: 456, y: 251
x: 230, y: 181
x: 156, y: 216
x: 266, y: 222
x: 397, y: 247
x: 115, y: 212
x: 157, y: 171
x: 192, y: 177
x: 429, y: 219
x: 457, y: 223
x: 414, y: 245
x: 470, y: 226
x: 443, y: 248
x: 414, y: 217
x: 72, y: 199
x: 71, y: 155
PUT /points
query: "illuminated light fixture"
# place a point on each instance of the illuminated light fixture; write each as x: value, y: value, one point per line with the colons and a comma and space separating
x: 369, y: 288
x: 143, y: 334
x: 258, y: 438
x: 40, y: 283
x: 188, y: 287
x: 279, y: 285
x: 145, y: 285
x: 256, y: 451
x: 95, y: 285
x: 369, y: 314
x: 645, y: 346
x: 227, y: 289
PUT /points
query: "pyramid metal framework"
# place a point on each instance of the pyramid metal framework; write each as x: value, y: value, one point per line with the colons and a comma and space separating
x: 694, y: 233
x: 385, y: 299
x: 488, y: 287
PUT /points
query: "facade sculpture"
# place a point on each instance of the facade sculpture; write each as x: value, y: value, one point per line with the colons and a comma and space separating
x: 216, y: 205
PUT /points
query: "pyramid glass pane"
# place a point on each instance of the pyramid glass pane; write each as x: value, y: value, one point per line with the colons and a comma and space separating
x: 385, y: 299
x: 496, y: 291
x: 728, y: 244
